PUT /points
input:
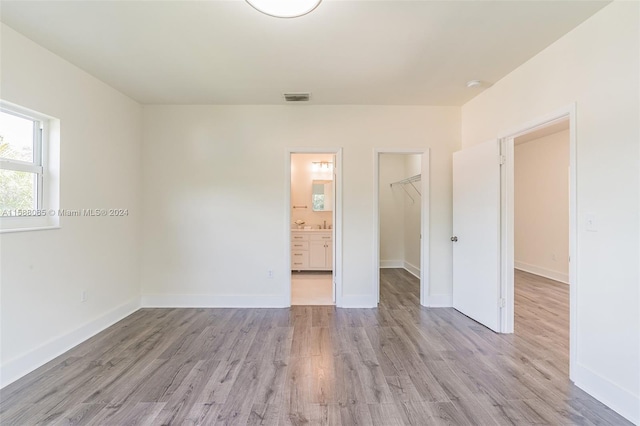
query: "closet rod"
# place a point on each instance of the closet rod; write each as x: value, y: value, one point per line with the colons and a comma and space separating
x: 408, y: 195
x: 410, y: 181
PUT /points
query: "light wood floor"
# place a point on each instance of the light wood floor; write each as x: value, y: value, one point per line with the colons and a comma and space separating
x: 398, y: 364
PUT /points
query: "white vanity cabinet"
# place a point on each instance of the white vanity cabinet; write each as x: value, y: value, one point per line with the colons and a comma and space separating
x: 311, y: 250
x: 299, y: 251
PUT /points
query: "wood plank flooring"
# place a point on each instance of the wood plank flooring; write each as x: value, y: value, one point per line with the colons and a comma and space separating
x: 400, y: 364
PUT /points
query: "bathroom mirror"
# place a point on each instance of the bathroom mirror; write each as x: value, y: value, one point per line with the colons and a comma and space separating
x: 322, y: 195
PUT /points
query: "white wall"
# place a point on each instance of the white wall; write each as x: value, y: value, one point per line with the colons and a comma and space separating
x: 214, y: 195
x: 412, y: 167
x: 541, y: 201
x: 43, y: 272
x: 302, y: 177
x: 391, y: 202
x: 596, y: 66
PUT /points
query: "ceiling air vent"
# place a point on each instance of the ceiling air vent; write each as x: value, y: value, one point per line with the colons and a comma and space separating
x: 297, y: 97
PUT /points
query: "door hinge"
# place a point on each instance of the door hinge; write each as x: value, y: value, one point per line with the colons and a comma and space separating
x: 503, y: 303
x: 503, y: 159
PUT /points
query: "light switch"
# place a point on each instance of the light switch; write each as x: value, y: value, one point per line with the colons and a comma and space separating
x: 591, y: 223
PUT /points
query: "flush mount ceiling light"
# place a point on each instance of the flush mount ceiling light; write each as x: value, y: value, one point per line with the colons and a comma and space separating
x: 474, y: 83
x: 284, y: 8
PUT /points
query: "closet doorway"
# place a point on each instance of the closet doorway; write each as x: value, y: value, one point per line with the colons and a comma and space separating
x: 401, y: 227
x: 313, y: 228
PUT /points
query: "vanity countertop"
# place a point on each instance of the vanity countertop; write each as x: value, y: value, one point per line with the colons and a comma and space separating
x: 311, y: 230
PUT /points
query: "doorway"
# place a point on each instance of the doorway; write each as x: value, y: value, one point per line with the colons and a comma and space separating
x: 564, y: 120
x: 541, y: 237
x: 313, y: 202
x: 541, y: 202
x: 401, y: 218
x: 483, y: 213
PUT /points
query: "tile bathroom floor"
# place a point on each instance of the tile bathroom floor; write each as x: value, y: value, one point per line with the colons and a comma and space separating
x: 311, y: 288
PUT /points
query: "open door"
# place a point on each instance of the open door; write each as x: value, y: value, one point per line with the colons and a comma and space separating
x: 476, y: 233
x: 333, y: 233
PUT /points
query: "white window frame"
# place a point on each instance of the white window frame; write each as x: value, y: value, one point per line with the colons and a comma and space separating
x: 47, y: 193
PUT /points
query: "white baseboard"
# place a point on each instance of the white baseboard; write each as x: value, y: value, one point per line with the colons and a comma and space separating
x: 211, y: 301
x: 618, y: 399
x: 358, y: 301
x: 18, y: 367
x: 444, y: 300
x: 543, y: 272
x: 391, y: 264
x: 412, y: 269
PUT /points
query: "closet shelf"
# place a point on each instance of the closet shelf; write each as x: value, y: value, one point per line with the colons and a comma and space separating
x: 409, y: 181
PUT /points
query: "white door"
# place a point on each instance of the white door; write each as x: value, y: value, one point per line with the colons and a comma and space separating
x: 476, y: 227
x: 333, y: 227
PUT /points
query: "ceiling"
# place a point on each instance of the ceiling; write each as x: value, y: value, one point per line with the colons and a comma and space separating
x: 345, y: 52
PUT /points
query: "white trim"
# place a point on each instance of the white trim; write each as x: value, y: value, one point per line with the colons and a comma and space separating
x: 412, y: 269
x: 507, y: 229
x: 359, y: 301
x: 43, y: 228
x: 507, y: 247
x: 46, y: 166
x: 444, y: 300
x: 337, y: 225
x: 543, y: 272
x: 385, y: 264
x: 212, y: 301
x: 544, y: 121
x: 423, y: 271
x: 26, y: 223
x: 18, y: 367
x: 618, y: 399
x: 20, y: 166
x: 29, y: 114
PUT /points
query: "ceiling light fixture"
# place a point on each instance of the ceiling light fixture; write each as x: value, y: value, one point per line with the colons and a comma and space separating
x: 284, y: 8
x: 317, y: 166
x: 473, y: 83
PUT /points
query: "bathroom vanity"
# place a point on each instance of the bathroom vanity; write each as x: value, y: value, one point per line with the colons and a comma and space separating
x: 311, y: 249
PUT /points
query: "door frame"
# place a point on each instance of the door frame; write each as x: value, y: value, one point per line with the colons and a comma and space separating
x: 424, y: 219
x: 507, y: 223
x: 337, y: 219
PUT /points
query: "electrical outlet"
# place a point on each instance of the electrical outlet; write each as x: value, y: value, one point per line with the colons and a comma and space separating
x: 270, y: 273
x: 83, y: 296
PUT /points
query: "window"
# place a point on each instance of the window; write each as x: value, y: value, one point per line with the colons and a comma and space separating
x: 28, y: 199
x: 21, y: 172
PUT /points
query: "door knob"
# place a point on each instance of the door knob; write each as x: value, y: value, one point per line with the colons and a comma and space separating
x: 454, y: 239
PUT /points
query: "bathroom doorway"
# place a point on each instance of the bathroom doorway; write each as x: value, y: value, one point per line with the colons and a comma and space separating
x: 401, y: 253
x: 312, y: 227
